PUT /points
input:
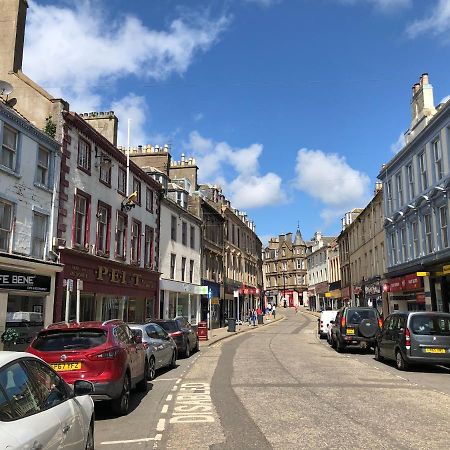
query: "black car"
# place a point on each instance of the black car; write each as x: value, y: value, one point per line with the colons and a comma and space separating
x: 355, y: 326
x: 415, y: 338
x: 182, y: 333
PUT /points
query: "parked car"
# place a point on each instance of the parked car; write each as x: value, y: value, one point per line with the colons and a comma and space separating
x: 105, y: 353
x: 323, y: 321
x: 183, y: 334
x: 39, y: 410
x: 355, y: 326
x: 160, y: 347
x: 415, y: 338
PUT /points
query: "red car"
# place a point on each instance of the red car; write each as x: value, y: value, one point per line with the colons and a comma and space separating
x: 107, y: 354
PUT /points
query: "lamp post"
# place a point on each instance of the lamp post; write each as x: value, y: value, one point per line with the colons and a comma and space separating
x: 284, y: 288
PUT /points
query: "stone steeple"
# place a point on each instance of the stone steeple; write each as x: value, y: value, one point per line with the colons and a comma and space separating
x: 298, y: 238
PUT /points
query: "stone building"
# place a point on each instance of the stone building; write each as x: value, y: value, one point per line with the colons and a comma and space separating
x: 285, y: 269
x: 416, y: 184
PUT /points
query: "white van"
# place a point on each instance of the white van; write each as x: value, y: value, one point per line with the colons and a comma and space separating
x: 324, y: 321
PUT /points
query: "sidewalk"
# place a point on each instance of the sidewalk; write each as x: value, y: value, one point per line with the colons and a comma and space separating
x: 218, y: 334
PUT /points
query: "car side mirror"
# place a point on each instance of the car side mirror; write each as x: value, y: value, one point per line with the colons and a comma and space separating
x: 82, y: 387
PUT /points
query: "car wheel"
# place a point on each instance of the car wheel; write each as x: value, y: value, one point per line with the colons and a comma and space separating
x: 151, y: 369
x: 333, y: 342
x: 173, y: 361
x: 378, y: 357
x: 90, y: 437
x: 121, y: 405
x: 400, y: 361
x: 339, y: 346
x: 187, y: 352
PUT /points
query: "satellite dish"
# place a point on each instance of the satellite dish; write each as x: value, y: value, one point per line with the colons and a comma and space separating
x: 5, y: 88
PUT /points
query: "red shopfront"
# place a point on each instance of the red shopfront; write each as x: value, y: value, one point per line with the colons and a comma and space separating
x: 405, y: 293
x: 110, y: 290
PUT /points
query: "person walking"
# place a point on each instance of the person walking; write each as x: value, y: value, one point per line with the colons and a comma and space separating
x: 273, y: 311
x: 253, y: 317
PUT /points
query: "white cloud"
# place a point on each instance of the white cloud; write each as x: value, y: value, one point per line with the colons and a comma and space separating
x: 93, y: 49
x: 247, y: 188
x: 398, y: 144
x: 264, y: 3
x: 328, y: 178
x: 437, y: 23
x: 382, y: 5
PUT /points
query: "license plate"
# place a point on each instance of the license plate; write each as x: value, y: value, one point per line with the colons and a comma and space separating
x: 435, y: 350
x: 350, y: 331
x: 61, y: 367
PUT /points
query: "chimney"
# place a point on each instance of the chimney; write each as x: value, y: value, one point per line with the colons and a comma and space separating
x: 280, y: 238
x: 289, y: 238
x: 106, y: 123
x: 13, y: 14
x: 422, y: 106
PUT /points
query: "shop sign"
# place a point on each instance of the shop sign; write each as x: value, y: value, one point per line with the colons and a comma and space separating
x: 446, y: 269
x: 328, y: 294
x: 321, y: 288
x: 372, y: 289
x: 249, y: 291
x: 346, y: 292
x: 412, y: 282
x: 203, y: 290
x: 336, y: 293
x: 215, y: 301
x: 396, y: 284
x: 24, y: 281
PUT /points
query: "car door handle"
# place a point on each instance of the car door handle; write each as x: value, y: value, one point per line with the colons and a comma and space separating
x: 37, y: 446
x: 66, y: 429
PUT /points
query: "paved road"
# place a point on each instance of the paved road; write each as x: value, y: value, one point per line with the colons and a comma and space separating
x: 280, y: 387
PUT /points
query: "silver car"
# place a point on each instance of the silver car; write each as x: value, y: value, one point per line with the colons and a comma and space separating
x: 160, y: 347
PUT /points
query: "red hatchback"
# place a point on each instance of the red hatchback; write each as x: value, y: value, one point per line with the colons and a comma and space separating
x: 107, y: 354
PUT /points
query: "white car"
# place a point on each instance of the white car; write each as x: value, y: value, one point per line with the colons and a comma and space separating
x: 324, y: 321
x: 38, y: 410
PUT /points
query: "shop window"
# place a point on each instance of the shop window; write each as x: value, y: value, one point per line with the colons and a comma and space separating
x: 9, y: 147
x: 148, y: 252
x: 137, y: 189
x: 191, y: 271
x: 183, y: 268
x: 121, y: 235
x: 173, y: 228
x: 184, y: 233
x: 172, y: 265
x: 149, y: 200
x: 43, y: 166
x: 192, y: 237
x: 103, y: 229
x: 6, y: 215
x: 122, y: 181
x: 39, y: 235
x: 84, y: 156
x: 81, y: 225
x: 135, y: 242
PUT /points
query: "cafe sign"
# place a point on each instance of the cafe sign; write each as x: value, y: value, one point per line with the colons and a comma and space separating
x: 24, y: 281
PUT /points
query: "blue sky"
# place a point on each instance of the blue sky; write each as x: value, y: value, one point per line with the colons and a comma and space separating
x: 290, y: 105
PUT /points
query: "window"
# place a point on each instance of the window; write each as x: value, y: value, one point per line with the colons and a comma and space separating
x: 423, y: 171
x: 148, y: 252
x: 399, y: 190
x: 121, y: 235
x: 299, y: 264
x: 9, y: 147
x: 191, y: 271
x: 428, y: 237
x: 184, y: 233
x: 283, y: 252
x: 80, y: 237
x: 437, y: 158
x: 122, y: 181
x: 105, y: 169
x: 389, y: 196
x: 192, y: 236
x: 172, y: 265
x: 393, y: 249
x: 103, y: 228
x: 443, y: 220
x: 39, y: 235
x: 415, y: 236
x: 5, y: 225
x: 137, y: 189
x: 149, y: 200
x: 173, y: 228
x: 183, y: 268
x: 84, y: 155
x: 42, y: 171
x: 410, y: 173
x: 404, y: 247
x: 135, y: 241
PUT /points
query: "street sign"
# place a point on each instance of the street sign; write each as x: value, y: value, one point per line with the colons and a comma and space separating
x: 235, y: 293
x: 423, y: 274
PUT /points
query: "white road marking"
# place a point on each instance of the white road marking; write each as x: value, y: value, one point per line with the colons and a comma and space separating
x: 161, y: 425
x: 169, y: 398
x: 174, y: 388
x: 158, y: 437
x: 164, y: 409
x: 164, y: 379
x: 178, y: 381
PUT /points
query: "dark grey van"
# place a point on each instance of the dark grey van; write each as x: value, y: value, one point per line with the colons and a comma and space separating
x: 415, y: 338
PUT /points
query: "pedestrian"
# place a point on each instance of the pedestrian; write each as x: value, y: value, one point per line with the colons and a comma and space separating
x: 253, y: 317
x: 273, y: 311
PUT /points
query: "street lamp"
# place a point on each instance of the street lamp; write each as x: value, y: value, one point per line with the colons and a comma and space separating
x: 284, y: 288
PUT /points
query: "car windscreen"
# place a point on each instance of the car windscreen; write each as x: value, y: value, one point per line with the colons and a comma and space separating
x: 430, y: 325
x: 58, y: 340
x: 136, y: 332
x: 355, y: 316
x: 170, y: 327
